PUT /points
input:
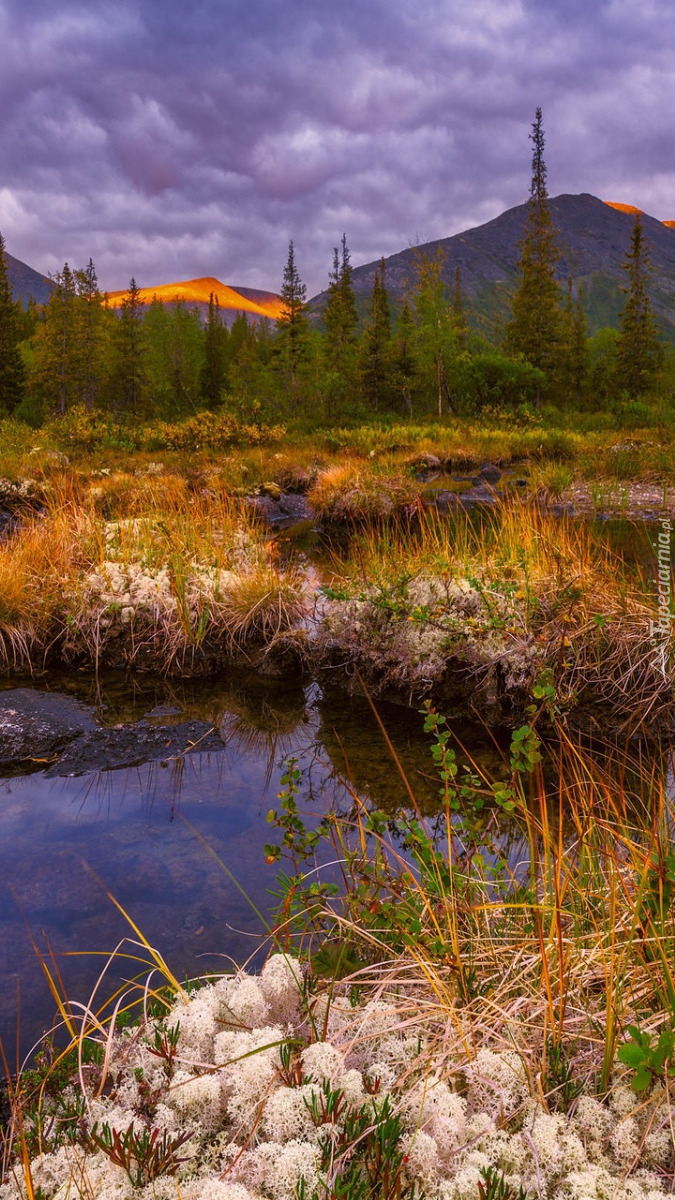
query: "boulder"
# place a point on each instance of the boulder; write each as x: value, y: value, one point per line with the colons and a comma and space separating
x: 35, y: 726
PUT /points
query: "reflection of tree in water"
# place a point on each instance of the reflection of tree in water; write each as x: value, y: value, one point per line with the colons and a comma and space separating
x: 357, y: 749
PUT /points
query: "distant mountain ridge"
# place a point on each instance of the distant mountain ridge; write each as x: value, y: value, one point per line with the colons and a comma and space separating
x: 27, y: 284
x: 233, y: 302
x: 593, y: 237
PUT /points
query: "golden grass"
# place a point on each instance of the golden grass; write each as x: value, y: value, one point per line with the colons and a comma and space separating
x: 544, y: 594
x: 177, y: 578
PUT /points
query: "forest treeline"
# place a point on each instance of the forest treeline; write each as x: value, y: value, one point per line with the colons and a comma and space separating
x: 165, y: 361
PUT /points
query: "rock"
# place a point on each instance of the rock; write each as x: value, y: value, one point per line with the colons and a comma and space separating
x: 483, y: 495
x: 36, y: 725
x: 446, y: 501
x: 49, y: 729
x: 563, y: 510
x: 105, y: 749
x: 426, y: 462
x: 288, y: 510
x: 490, y: 473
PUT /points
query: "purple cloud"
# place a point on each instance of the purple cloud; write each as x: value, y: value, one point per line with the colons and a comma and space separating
x: 169, y: 142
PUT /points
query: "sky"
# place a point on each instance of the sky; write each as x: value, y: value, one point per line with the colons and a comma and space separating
x: 172, y: 139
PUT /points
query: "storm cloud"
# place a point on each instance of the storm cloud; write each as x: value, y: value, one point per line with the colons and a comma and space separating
x: 170, y: 142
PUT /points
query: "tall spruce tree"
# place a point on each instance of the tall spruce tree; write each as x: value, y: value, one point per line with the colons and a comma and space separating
x: 91, y: 333
x: 214, y: 374
x: 12, y: 373
x: 535, y: 328
x: 340, y: 319
x: 292, y: 324
x: 639, y: 353
x: 129, y: 374
x: 376, y: 365
x: 58, y: 363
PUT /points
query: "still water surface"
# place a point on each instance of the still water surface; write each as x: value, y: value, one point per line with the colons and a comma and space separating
x: 136, y: 832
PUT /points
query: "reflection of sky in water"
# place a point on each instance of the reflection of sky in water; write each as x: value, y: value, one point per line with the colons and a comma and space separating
x: 125, y: 828
x: 65, y: 840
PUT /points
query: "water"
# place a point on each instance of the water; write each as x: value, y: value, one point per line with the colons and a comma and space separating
x: 151, y: 836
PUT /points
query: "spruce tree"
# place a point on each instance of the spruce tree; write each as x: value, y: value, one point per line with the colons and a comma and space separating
x: 376, y: 346
x: 214, y: 370
x: 436, y: 339
x: 340, y: 319
x: 91, y: 334
x: 639, y: 353
x: 58, y: 363
x: 535, y: 328
x: 12, y: 373
x: 129, y: 375
x: 292, y: 324
x: 403, y: 361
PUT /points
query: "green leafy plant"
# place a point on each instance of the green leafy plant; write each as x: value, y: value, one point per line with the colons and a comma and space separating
x: 361, y: 1156
x: 649, y: 1057
x: 144, y: 1154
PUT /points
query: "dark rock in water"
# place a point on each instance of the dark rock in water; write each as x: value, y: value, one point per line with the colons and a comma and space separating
x: 288, y: 510
x: 446, y: 501
x: 478, y: 495
x: 130, y: 745
x: 490, y: 473
x: 563, y: 510
x: 35, y: 726
x: 48, y: 729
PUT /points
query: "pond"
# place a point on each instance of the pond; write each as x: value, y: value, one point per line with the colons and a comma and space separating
x: 175, y: 839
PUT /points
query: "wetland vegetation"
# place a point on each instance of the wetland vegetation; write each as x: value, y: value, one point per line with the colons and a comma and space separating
x: 462, y: 987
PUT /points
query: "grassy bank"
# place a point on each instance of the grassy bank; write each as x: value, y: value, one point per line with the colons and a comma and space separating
x: 175, y: 580
x: 483, y: 1006
x: 158, y: 571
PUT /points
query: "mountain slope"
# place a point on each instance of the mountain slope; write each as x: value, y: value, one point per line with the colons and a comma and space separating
x: 593, y: 238
x: 26, y: 283
x: 196, y: 292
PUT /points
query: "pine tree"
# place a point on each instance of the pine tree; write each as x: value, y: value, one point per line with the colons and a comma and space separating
x: 535, y: 328
x: 214, y: 371
x: 12, y: 373
x: 292, y: 324
x: 340, y: 319
x: 639, y: 353
x: 91, y: 334
x: 57, y: 363
x: 376, y: 374
x: 129, y: 376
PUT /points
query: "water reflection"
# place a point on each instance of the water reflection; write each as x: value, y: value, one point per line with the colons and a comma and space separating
x: 137, y: 832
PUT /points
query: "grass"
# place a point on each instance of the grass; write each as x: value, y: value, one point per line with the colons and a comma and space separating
x: 482, y: 997
x: 178, y: 579
x: 488, y: 605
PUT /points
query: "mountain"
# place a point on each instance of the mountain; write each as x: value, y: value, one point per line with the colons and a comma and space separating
x: 27, y: 283
x: 195, y: 292
x: 593, y: 236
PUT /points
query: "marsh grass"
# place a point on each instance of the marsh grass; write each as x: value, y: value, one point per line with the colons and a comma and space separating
x: 177, y: 578
x: 515, y: 586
